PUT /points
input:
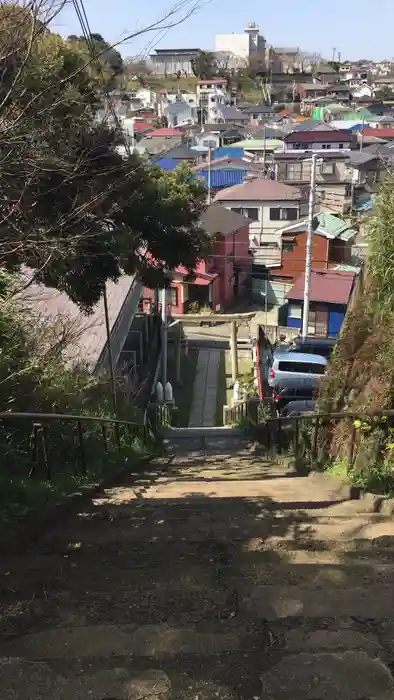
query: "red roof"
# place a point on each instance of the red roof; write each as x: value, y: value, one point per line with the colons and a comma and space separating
x: 380, y: 133
x: 142, y: 126
x: 164, y: 132
x: 327, y: 286
x: 332, y: 136
x: 212, y: 82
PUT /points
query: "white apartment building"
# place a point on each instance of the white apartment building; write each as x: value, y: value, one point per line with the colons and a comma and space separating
x: 241, y: 46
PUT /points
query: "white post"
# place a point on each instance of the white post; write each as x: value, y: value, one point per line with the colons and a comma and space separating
x: 308, y: 259
x: 164, y: 336
x: 264, y: 149
x: 209, y: 175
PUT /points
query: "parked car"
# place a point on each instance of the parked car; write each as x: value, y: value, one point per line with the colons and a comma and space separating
x: 295, y: 365
x: 295, y: 408
x: 314, y: 346
x: 304, y: 389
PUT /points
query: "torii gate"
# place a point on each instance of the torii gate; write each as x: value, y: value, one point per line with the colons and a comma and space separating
x: 215, y: 318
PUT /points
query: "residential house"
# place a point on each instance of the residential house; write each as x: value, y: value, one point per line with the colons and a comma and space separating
x: 217, y: 135
x: 319, y: 140
x: 332, y: 242
x: 223, y: 280
x: 264, y: 131
x: 267, y: 204
x: 176, y: 156
x: 225, y: 172
x: 329, y: 294
x: 325, y: 73
x: 178, y: 113
x: 257, y: 148
x: 380, y: 133
x: 366, y: 171
x: 257, y: 112
x: 333, y: 180
x: 310, y: 125
x: 228, y: 114
x: 159, y: 141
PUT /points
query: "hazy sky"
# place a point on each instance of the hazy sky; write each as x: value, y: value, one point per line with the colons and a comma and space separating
x: 356, y: 28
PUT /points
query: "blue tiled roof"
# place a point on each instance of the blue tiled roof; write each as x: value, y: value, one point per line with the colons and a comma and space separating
x: 228, y: 152
x: 223, y: 178
x: 166, y: 163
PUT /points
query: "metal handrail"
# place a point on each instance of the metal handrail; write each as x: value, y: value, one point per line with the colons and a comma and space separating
x: 69, y: 417
x: 37, y: 444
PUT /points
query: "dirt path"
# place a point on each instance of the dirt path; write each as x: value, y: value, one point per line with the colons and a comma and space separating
x: 215, y: 575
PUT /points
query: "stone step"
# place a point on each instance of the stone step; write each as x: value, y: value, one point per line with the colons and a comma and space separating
x: 255, y: 533
x: 349, y: 675
x: 107, y: 641
x: 277, y: 602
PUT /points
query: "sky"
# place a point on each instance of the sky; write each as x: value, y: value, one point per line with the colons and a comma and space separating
x: 351, y: 26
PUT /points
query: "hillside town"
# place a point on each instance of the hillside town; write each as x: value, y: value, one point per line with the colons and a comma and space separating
x: 196, y: 356
x: 255, y: 160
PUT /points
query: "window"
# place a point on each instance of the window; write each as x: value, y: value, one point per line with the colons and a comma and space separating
x: 277, y: 214
x: 301, y: 367
x: 269, y: 246
x: 172, y: 296
x: 341, y: 145
x: 327, y: 169
x: 209, y: 143
x: 294, y: 171
x: 289, y: 214
x: 288, y: 246
x: 326, y: 146
x: 295, y: 311
x: 252, y: 214
x: 301, y: 146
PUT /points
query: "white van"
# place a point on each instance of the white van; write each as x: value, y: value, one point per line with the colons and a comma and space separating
x: 296, y: 365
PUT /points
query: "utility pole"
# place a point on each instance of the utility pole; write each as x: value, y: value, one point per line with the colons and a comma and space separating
x: 209, y: 175
x: 264, y: 147
x: 362, y: 135
x: 308, y: 259
x: 110, y: 354
x: 164, y: 337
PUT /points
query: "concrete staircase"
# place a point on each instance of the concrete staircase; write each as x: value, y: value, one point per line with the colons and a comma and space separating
x: 213, y: 575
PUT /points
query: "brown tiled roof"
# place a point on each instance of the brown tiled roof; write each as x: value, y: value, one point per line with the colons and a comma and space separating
x: 330, y: 286
x: 218, y: 219
x: 328, y: 136
x: 262, y: 190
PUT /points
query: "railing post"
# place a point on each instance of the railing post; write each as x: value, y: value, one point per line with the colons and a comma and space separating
x: 81, y: 447
x: 314, y: 440
x: 296, y: 437
x: 350, y: 451
x: 44, y: 433
x: 34, y: 448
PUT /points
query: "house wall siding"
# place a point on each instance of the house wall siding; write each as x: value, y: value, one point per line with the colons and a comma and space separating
x: 293, y: 263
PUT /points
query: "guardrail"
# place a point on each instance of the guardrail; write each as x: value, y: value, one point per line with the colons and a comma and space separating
x: 307, y: 437
x: 51, y: 443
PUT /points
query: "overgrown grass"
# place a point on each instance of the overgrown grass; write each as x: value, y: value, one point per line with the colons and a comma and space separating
x: 34, y: 378
x: 378, y: 478
x: 22, y: 496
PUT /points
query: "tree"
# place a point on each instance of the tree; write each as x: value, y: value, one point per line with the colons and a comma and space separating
x: 335, y: 65
x: 110, y: 59
x: 139, y: 69
x: 384, y: 93
x: 204, y: 65
x: 73, y: 209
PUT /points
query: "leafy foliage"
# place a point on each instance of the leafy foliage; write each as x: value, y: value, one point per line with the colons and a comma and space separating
x: 73, y: 208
